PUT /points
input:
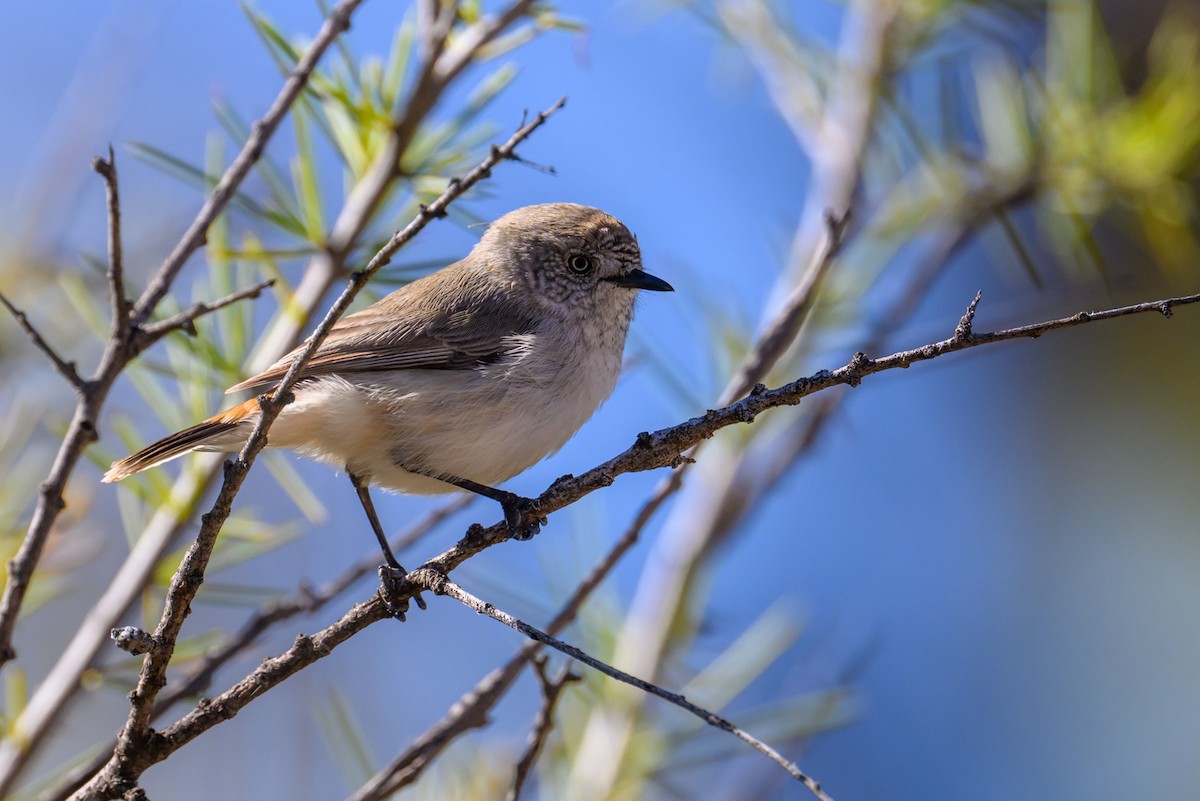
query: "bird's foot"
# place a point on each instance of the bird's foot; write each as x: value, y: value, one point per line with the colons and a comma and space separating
x: 395, y: 591
x: 519, y: 515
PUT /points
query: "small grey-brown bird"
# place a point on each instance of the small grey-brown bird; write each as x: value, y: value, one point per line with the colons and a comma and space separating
x: 463, y: 378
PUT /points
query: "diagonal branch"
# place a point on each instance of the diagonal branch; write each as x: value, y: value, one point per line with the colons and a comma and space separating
x: 272, y: 671
x: 63, y: 367
x: 438, y: 583
x: 157, y: 746
x: 651, y: 450
x: 185, y: 321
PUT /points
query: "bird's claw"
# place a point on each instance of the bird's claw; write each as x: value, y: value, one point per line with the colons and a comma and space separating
x: 393, y: 586
x: 521, y: 524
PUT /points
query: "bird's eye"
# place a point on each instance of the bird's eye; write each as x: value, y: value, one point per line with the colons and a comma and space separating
x: 580, y: 264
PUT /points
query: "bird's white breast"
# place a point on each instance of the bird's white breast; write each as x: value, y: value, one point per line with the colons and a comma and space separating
x: 484, y: 424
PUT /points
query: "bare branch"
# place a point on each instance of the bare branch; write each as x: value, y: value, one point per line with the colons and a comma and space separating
x: 116, y: 262
x: 185, y: 320
x: 63, y: 367
x: 551, y: 690
x: 438, y: 582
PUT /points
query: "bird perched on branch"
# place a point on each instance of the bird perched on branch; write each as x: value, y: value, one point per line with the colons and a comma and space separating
x: 461, y: 379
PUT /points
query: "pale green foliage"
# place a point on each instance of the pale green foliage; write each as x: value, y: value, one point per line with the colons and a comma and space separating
x: 1062, y: 125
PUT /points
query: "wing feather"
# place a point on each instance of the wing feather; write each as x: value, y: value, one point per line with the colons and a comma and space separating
x: 457, y: 319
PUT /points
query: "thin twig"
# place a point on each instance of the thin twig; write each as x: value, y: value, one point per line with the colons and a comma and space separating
x: 185, y: 320
x: 116, y: 261
x: 136, y: 744
x: 440, y: 584
x: 63, y: 367
x: 542, y: 724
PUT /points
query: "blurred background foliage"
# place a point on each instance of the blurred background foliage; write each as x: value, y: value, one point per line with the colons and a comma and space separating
x: 977, y: 581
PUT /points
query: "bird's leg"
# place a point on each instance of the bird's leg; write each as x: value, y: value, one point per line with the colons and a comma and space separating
x: 516, y: 508
x: 392, y: 572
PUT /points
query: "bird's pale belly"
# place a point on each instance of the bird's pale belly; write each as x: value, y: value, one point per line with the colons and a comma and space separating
x: 485, y: 428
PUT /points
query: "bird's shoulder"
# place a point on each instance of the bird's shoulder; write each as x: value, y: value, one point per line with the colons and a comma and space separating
x: 455, y: 318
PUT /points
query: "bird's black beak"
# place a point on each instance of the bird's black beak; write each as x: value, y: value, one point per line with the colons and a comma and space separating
x: 639, y: 279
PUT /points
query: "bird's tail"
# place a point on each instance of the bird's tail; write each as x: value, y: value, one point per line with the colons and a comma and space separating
x: 226, y: 431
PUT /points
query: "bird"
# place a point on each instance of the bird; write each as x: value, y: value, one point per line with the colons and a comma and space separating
x: 461, y: 379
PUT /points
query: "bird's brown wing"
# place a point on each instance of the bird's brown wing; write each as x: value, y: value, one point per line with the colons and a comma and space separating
x: 416, y: 327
